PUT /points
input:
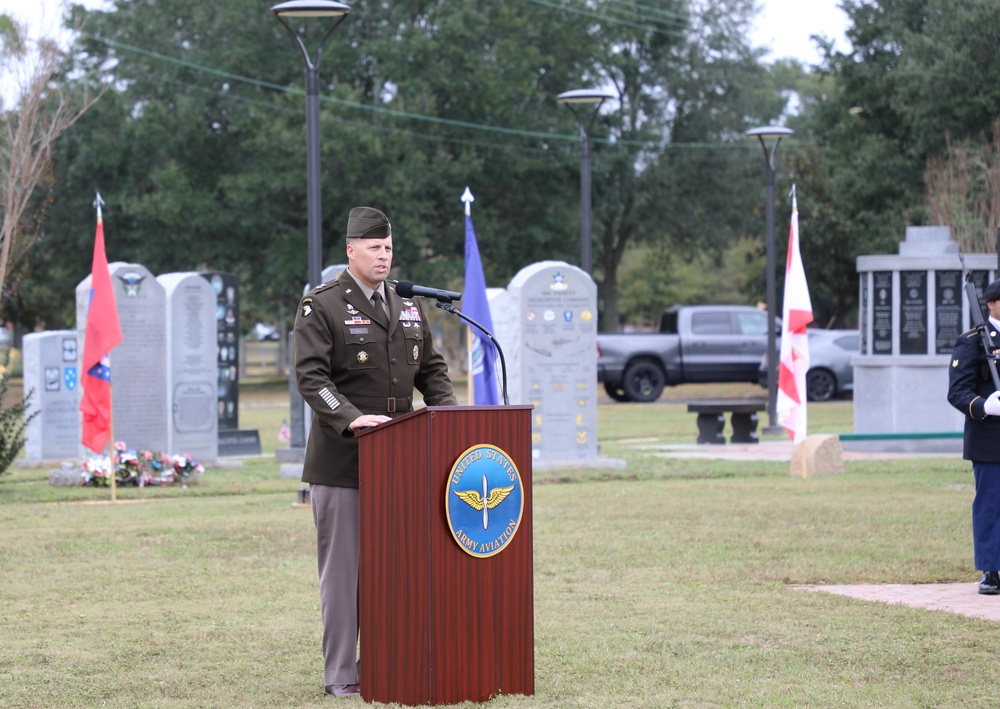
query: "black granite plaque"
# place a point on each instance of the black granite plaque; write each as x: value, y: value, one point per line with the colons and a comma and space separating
x: 948, y: 310
x: 913, y: 312
x: 864, y: 314
x: 227, y: 316
x: 239, y: 442
x: 882, y: 313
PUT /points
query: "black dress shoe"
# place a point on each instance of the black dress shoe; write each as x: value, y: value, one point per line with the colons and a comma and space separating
x: 342, y: 690
x: 990, y: 583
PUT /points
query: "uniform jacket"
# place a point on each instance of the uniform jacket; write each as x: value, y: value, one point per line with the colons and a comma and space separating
x: 347, y: 364
x: 969, y: 384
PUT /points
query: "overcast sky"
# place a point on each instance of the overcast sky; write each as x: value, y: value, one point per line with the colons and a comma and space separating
x: 783, y: 25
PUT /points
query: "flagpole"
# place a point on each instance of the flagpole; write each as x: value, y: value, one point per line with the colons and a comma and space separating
x: 111, y: 451
x: 111, y: 428
x: 468, y: 199
x: 471, y: 395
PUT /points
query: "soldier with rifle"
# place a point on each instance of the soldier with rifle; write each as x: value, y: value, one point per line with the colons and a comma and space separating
x: 973, y: 389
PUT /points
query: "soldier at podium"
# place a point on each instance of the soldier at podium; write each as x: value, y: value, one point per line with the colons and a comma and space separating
x: 360, y: 350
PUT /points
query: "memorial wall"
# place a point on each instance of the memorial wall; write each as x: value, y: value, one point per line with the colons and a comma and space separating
x: 912, y: 307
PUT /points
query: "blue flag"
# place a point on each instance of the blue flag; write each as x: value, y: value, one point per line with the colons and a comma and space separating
x: 482, y: 364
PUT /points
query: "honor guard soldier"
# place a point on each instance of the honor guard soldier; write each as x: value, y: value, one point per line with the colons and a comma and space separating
x: 971, y: 390
x: 360, y: 350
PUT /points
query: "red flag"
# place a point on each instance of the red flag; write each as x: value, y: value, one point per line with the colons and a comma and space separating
x: 104, y: 332
x: 795, y: 316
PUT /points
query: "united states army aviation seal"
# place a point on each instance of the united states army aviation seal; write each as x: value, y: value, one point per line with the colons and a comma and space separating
x: 484, y: 500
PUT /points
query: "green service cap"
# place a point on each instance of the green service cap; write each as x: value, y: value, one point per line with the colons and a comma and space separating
x: 368, y: 223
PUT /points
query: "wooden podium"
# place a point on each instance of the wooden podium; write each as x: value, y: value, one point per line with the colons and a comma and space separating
x: 439, y: 626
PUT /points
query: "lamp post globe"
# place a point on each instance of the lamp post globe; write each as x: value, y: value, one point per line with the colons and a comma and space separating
x: 594, y: 98
x: 308, y: 9
x: 775, y: 134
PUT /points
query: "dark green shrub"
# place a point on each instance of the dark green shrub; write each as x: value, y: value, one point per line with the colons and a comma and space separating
x: 12, y: 420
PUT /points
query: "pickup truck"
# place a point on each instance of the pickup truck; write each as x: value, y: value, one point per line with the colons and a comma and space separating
x: 696, y: 343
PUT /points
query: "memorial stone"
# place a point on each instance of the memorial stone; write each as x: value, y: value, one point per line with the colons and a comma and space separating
x: 225, y: 286
x: 138, y: 364
x: 192, y: 353
x: 300, y: 417
x: 912, y: 309
x: 51, y: 373
x: 553, y: 359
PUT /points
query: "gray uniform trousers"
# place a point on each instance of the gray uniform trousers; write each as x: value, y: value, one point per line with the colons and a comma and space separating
x: 335, y: 513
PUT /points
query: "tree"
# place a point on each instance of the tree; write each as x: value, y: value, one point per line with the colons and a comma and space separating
x: 919, y: 72
x: 963, y: 191
x: 687, y: 98
x: 44, y: 110
x: 200, y: 153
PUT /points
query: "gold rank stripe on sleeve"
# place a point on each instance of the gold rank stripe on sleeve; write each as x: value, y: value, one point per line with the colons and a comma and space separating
x: 971, y: 415
x: 329, y: 398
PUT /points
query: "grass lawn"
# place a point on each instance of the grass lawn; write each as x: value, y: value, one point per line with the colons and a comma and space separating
x: 664, y: 585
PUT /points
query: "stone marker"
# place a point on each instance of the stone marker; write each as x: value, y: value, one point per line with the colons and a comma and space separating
x: 138, y: 364
x: 552, y: 359
x: 51, y: 372
x: 818, y: 454
x: 192, y: 351
x: 226, y: 287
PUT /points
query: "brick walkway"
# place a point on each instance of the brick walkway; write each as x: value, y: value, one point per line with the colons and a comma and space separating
x: 963, y: 598
x: 768, y: 450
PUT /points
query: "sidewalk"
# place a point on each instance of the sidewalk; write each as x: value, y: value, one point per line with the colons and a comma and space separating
x: 768, y: 450
x: 961, y: 598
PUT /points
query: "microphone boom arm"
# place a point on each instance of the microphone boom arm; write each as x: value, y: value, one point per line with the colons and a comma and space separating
x: 449, y: 307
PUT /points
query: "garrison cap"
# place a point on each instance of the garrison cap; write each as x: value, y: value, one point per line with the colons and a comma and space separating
x: 992, y: 291
x: 368, y: 223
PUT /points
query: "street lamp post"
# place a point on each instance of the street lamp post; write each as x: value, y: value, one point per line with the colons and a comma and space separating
x: 776, y: 132
x: 595, y: 98
x: 307, y: 9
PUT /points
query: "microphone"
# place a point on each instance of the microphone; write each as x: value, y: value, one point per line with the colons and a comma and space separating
x: 406, y: 289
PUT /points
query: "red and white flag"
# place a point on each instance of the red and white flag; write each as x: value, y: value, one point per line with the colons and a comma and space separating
x: 284, y: 432
x: 796, y: 314
x: 103, y: 333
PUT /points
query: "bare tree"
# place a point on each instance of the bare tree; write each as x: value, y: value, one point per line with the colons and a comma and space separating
x: 41, y: 112
x: 963, y: 192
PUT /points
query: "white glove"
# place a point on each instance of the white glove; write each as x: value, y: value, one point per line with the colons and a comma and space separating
x: 992, y: 404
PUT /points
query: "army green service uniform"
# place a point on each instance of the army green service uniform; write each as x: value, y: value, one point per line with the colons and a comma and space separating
x: 351, y: 360
x: 347, y: 364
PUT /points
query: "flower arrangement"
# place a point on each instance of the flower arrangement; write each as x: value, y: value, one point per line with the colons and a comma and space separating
x: 142, y: 469
x: 187, y: 468
x: 127, y: 468
x: 157, y: 469
x: 96, y: 471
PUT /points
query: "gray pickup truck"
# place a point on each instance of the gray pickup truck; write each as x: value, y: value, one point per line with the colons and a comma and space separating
x: 696, y: 343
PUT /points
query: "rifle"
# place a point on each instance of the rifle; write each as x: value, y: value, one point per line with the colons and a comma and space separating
x: 976, y: 311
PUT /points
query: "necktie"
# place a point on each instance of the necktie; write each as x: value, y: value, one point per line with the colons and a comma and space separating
x: 380, y: 315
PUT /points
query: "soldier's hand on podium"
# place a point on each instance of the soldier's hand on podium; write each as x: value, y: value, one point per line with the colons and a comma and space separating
x: 367, y: 421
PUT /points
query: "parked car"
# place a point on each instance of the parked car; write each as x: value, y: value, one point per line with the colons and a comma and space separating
x: 695, y: 343
x: 830, y: 372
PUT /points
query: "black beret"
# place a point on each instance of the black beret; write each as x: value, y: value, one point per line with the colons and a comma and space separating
x: 992, y: 291
x: 368, y: 223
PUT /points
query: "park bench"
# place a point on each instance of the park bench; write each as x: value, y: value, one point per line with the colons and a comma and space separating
x: 712, y: 419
